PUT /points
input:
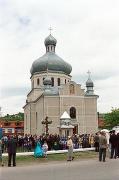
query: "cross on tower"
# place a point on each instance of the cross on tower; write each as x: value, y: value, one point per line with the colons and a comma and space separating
x: 46, y: 122
x: 89, y: 73
x: 50, y: 29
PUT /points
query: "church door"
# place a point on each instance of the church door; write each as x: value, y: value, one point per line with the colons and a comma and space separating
x: 75, y: 129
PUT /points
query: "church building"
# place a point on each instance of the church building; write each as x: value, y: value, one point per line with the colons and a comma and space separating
x: 53, y: 92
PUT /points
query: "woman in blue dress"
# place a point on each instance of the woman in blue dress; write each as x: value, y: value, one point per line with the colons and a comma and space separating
x: 38, y: 152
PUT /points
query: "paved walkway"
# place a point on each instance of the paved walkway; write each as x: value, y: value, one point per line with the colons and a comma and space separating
x: 76, y: 170
x: 53, y: 152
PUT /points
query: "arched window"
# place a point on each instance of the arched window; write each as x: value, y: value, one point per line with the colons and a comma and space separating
x: 52, y: 79
x: 58, y: 81
x: 48, y: 48
x: 38, y: 81
x: 73, y: 112
x: 71, y: 88
x: 65, y: 81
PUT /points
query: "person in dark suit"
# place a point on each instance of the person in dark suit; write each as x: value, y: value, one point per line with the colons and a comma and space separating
x: 11, y: 148
x: 113, y: 141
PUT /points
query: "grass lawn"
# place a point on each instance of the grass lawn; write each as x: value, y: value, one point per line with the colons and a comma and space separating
x: 30, y: 160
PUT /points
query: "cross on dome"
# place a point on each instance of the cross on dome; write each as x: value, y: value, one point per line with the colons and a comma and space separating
x: 50, y: 29
x: 89, y: 73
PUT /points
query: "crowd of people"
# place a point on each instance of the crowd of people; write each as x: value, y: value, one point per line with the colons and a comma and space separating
x: 55, y: 142
x: 104, y: 142
x: 41, y: 144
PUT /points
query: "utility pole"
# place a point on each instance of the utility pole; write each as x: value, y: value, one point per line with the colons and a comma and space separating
x: 46, y: 122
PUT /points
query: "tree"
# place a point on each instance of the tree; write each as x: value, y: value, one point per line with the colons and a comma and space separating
x: 112, y: 119
x: 14, y: 117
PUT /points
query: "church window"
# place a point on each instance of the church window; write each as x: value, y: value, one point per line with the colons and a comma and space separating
x: 58, y: 81
x: 71, y: 88
x: 48, y: 48
x: 73, y: 112
x: 52, y: 79
x: 38, y: 81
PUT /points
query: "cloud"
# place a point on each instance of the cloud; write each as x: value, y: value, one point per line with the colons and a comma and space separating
x: 12, y: 105
x: 7, y: 92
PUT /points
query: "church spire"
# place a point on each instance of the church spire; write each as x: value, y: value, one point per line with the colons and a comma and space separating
x: 50, y: 42
x: 89, y: 85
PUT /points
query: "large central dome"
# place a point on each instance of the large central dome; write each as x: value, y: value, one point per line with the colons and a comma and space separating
x: 50, y: 61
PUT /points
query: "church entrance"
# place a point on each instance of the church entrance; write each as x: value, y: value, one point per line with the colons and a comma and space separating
x: 67, y: 133
x: 75, y: 129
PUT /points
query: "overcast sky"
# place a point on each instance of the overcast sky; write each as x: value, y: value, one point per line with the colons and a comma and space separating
x: 87, y: 33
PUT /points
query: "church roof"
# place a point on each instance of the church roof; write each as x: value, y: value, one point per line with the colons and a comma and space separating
x: 89, y: 83
x: 50, y: 60
x: 50, y: 40
x: 65, y: 115
x: 51, y: 92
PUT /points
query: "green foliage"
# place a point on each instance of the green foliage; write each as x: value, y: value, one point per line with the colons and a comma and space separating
x: 14, y: 117
x: 112, y: 119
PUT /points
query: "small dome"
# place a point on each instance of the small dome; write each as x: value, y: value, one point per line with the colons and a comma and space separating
x: 89, y: 83
x: 47, y: 81
x: 50, y: 40
x: 47, y: 92
x: 51, y: 92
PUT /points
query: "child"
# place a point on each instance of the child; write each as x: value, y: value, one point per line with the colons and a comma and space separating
x: 45, y: 148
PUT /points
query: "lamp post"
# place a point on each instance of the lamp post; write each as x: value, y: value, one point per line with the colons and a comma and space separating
x: 46, y: 122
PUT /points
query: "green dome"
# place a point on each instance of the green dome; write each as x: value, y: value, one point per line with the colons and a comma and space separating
x: 50, y: 40
x: 89, y: 83
x: 52, y: 62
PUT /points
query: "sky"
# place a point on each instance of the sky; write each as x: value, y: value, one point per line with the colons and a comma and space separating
x: 87, y: 33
